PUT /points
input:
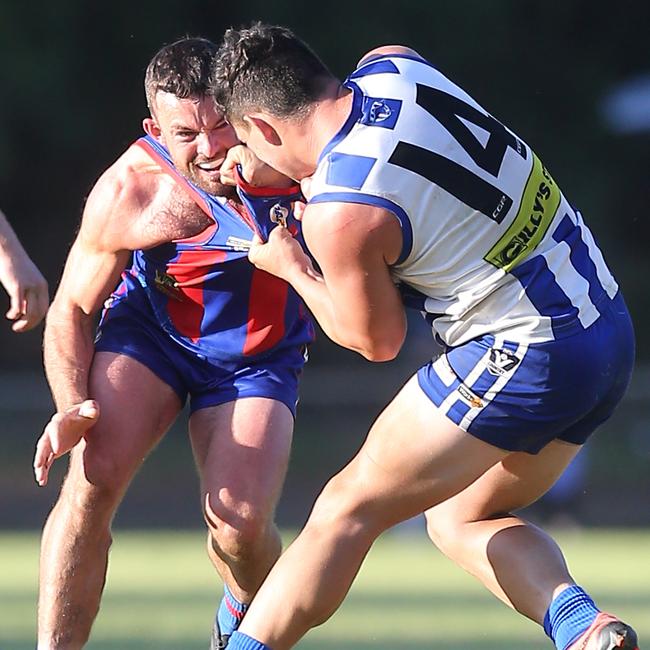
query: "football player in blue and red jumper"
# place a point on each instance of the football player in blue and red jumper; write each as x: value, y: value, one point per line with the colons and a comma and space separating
x: 191, y: 317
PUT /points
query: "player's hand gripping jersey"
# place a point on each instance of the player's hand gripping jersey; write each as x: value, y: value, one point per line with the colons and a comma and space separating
x: 204, y: 292
x: 490, y: 243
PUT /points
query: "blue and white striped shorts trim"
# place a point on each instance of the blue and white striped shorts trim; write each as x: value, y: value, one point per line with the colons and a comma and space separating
x: 519, y: 396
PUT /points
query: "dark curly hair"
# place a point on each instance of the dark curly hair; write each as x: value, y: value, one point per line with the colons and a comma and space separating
x: 182, y: 68
x: 266, y: 67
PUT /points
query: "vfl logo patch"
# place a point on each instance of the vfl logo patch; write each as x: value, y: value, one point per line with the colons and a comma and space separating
x: 501, y: 362
x: 279, y: 214
x: 470, y: 397
x: 381, y: 112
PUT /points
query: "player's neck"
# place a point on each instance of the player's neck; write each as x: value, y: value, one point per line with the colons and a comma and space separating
x: 324, y: 121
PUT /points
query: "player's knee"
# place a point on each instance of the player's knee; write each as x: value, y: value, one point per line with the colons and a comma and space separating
x: 231, y: 542
x: 343, y: 508
x: 236, y: 531
x: 446, y: 531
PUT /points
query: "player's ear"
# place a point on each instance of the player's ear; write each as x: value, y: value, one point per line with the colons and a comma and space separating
x: 151, y: 127
x: 265, y: 128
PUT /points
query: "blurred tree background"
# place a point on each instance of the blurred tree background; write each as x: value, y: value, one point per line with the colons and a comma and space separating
x: 72, y: 101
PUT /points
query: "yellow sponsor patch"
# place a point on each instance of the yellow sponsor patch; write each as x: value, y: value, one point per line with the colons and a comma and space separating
x: 539, y: 204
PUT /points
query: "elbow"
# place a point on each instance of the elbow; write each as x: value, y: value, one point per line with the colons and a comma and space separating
x: 56, y: 314
x: 377, y: 356
x: 378, y: 349
x: 62, y: 317
x: 378, y: 353
x: 377, y: 342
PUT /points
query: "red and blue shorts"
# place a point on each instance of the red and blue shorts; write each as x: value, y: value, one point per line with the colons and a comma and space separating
x: 129, y: 327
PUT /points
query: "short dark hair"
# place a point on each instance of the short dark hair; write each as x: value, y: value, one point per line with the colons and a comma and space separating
x: 266, y: 67
x: 182, y: 68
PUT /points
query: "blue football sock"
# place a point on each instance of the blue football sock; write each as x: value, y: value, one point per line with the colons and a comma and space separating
x: 569, y: 616
x: 241, y: 641
x: 231, y: 612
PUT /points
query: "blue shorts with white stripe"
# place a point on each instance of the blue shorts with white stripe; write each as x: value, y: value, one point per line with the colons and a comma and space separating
x: 519, y: 396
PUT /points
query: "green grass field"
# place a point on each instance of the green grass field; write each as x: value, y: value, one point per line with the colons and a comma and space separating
x: 161, y: 593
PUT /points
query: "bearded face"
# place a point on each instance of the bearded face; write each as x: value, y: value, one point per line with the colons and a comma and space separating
x: 197, y: 137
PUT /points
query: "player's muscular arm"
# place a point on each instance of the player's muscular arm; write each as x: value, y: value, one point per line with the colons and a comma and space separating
x: 97, y: 258
x: 354, y: 299
x: 88, y: 278
x: 99, y: 254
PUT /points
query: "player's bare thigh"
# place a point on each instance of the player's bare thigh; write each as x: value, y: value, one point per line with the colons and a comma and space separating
x: 413, y: 458
x: 136, y: 408
x: 515, y: 482
x: 242, y: 451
